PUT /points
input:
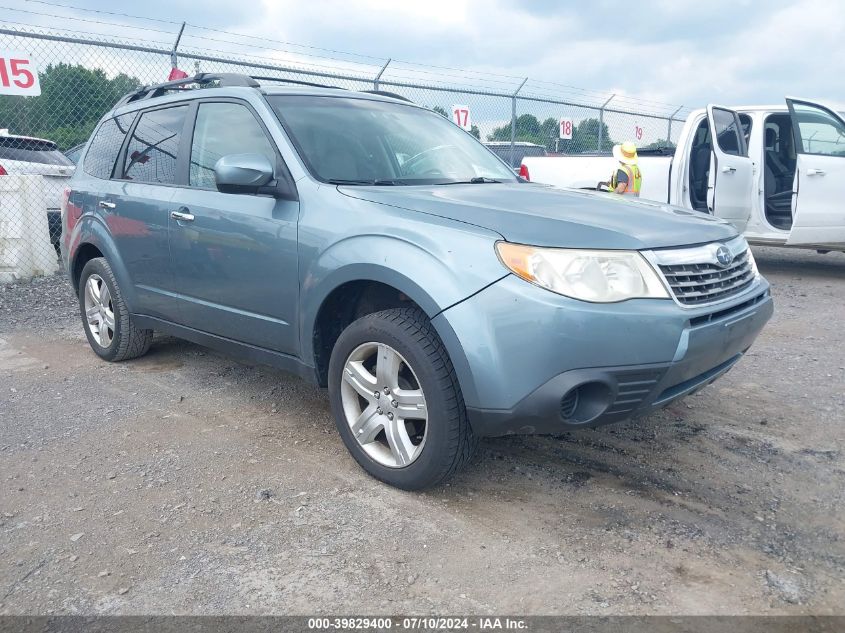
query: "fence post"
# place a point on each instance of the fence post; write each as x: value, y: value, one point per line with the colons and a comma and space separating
x: 380, y: 73
x: 669, y: 130
x: 601, y: 119
x: 174, y: 62
x: 513, y: 118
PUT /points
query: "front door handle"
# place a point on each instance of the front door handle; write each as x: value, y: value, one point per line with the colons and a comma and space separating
x: 182, y: 216
x: 728, y: 169
x: 815, y: 172
x: 105, y: 204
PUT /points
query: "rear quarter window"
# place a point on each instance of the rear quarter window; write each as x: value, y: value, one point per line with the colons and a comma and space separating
x: 105, y: 146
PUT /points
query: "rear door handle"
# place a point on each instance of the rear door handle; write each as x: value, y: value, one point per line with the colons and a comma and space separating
x: 728, y: 169
x: 182, y: 216
x: 815, y: 172
x: 105, y: 204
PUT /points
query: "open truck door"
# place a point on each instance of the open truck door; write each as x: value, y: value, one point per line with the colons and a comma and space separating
x: 818, y: 212
x: 731, y: 178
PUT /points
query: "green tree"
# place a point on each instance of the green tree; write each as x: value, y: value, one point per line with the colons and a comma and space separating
x: 441, y: 111
x: 72, y: 100
x: 530, y: 130
x: 660, y: 143
x: 585, y: 138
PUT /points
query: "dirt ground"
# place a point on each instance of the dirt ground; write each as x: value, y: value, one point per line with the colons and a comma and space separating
x: 185, y: 482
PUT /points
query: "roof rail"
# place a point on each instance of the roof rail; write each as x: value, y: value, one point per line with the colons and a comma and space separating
x: 385, y: 93
x: 228, y: 80
x: 201, y: 79
x: 298, y: 82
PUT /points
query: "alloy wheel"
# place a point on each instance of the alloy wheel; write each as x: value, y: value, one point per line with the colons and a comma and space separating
x: 99, y: 311
x: 384, y: 405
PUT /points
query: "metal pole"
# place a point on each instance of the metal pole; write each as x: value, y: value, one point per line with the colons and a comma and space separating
x: 174, y: 62
x: 380, y: 73
x: 513, y: 118
x: 601, y: 119
x: 669, y: 131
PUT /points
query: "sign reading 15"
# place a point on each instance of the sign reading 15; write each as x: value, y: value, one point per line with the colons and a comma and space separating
x: 18, y: 74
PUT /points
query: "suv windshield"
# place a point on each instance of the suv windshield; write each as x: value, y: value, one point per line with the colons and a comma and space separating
x: 31, y: 150
x: 363, y: 141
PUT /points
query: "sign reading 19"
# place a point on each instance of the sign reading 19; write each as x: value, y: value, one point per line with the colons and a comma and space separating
x: 18, y: 75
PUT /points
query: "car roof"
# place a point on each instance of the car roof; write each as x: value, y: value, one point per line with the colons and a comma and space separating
x: 175, y: 96
x: 4, y: 133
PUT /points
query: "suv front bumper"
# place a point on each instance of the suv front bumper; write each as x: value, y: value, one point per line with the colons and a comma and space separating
x: 530, y: 361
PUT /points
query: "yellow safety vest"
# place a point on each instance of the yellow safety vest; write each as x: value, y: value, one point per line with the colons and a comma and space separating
x: 635, y: 179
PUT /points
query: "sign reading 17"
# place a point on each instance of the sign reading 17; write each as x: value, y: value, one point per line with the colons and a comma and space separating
x: 18, y: 75
x: 460, y: 115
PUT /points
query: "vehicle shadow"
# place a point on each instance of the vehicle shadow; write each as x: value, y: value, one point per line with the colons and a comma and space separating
x: 797, y: 262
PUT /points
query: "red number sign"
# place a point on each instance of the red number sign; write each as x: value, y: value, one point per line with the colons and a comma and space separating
x: 460, y: 115
x: 18, y: 75
x: 566, y: 128
x: 638, y: 132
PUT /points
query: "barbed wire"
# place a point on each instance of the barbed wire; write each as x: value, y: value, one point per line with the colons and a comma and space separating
x: 541, y: 88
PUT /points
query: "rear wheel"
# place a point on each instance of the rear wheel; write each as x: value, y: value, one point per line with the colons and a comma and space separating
x: 396, y: 400
x: 105, y: 317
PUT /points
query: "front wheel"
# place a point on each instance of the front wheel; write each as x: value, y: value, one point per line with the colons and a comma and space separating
x: 396, y: 400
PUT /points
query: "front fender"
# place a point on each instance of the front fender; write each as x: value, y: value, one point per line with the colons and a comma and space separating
x: 427, y: 270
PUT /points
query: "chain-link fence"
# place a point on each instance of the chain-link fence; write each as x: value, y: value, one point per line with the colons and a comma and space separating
x: 82, y: 75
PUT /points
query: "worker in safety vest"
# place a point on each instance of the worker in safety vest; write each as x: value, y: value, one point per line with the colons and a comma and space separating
x: 627, y: 179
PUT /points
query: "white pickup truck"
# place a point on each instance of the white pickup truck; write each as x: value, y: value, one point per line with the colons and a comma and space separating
x: 775, y: 172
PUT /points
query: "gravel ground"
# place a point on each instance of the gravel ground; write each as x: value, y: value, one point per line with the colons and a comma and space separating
x: 184, y: 482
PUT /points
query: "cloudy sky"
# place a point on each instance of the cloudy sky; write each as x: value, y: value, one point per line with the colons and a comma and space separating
x: 686, y: 52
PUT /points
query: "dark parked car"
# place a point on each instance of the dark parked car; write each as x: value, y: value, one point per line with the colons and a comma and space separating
x: 521, y: 149
x: 373, y: 247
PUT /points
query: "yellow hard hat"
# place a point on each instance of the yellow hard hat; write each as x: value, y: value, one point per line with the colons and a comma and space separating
x: 625, y: 153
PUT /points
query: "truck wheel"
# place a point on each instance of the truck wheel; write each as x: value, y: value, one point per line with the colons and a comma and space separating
x: 105, y: 317
x: 397, y: 402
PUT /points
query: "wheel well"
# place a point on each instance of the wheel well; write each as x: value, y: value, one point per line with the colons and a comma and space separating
x: 344, y: 305
x: 84, y: 254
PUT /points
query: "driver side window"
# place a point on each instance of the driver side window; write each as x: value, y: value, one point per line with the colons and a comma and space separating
x: 222, y: 129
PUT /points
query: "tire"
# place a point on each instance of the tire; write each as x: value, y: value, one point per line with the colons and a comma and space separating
x: 362, y: 363
x: 110, y: 330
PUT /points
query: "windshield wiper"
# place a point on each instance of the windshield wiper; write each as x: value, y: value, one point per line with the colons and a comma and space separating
x: 377, y: 182
x: 477, y: 180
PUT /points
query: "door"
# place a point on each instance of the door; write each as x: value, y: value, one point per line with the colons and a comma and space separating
x: 818, y: 217
x: 731, y: 178
x: 234, y: 256
x: 135, y: 205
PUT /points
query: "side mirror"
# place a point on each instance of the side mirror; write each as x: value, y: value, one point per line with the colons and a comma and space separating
x: 243, y: 173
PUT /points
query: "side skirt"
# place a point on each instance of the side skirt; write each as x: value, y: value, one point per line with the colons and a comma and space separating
x: 236, y: 349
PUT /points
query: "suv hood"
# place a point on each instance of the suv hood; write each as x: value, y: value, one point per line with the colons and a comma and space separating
x: 547, y: 216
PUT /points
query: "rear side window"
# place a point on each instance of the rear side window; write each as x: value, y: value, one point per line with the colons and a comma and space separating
x: 728, y: 132
x: 222, y: 129
x: 101, y: 156
x: 151, y: 154
x: 31, y: 150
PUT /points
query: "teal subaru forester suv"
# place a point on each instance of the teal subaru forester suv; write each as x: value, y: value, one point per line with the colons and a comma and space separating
x: 373, y: 247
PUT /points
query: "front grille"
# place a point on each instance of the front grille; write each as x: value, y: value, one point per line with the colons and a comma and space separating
x: 698, y: 283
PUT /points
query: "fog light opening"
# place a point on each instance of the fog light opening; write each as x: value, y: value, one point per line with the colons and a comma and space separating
x: 585, y: 402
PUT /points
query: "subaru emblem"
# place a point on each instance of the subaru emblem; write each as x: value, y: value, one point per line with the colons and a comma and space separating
x: 724, y: 257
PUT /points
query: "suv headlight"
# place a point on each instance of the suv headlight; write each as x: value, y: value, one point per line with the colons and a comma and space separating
x: 588, y: 275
